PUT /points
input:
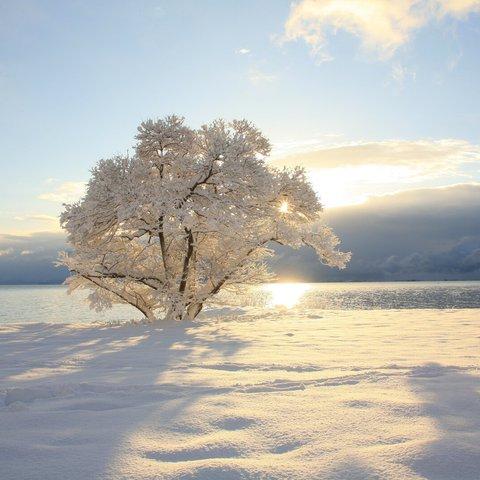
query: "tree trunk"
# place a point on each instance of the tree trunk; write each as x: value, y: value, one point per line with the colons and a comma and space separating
x: 149, y: 315
x: 193, y: 310
x: 186, y: 262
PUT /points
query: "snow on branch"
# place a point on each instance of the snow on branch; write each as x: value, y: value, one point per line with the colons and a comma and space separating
x: 190, y: 213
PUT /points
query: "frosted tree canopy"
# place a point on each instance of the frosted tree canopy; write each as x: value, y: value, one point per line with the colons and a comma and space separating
x: 191, y: 212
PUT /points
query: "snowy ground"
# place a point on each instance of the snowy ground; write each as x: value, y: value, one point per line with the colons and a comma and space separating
x: 325, y: 395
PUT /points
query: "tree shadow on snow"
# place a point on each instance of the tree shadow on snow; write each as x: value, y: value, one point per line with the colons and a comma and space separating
x: 77, y: 396
x: 452, y: 399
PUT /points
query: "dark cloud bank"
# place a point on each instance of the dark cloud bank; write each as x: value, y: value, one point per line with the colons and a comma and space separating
x: 412, y: 235
x: 29, y: 259
x: 429, y: 234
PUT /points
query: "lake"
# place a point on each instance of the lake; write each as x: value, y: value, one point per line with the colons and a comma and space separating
x: 50, y: 303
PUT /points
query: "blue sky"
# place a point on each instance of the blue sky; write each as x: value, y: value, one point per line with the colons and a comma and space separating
x: 377, y: 100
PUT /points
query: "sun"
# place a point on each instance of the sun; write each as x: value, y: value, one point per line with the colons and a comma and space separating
x: 284, y: 207
x: 285, y: 294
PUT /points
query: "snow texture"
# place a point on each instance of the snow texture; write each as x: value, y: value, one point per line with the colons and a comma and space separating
x: 279, y: 395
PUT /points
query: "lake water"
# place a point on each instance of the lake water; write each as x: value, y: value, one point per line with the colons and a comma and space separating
x: 52, y: 304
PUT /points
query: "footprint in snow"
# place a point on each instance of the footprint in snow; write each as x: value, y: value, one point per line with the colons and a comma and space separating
x: 233, y: 423
x: 286, y: 447
x: 204, y: 452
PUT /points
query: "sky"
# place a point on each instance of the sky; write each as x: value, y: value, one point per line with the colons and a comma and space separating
x: 375, y: 98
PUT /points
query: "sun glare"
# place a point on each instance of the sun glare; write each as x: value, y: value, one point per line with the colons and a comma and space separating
x: 285, y: 294
x: 284, y: 207
x: 353, y: 185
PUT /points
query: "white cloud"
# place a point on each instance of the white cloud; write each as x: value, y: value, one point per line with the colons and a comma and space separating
x: 457, y: 8
x: 457, y: 195
x: 5, y: 252
x: 428, y: 155
x: 381, y: 25
x: 66, y: 192
x: 242, y: 51
x: 348, y: 173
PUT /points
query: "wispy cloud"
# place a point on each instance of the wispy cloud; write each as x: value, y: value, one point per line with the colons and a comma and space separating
x: 259, y: 77
x: 65, y: 192
x: 39, y: 217
x: 382, y: 25
x: 400, y: 74
x: 292, y: 147
x: 51, y: 180
x: 242, y: 51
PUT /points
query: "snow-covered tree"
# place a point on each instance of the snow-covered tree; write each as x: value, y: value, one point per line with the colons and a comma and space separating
x: 189, y: 213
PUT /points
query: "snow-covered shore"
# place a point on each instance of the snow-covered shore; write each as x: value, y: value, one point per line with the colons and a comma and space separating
x: 311, y: 395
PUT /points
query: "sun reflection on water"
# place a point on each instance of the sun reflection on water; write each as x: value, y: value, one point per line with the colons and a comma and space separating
x: 285, y: 294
